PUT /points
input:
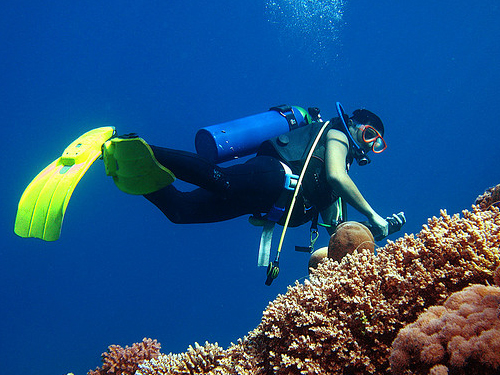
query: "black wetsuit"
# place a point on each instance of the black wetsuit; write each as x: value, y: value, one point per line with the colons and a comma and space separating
x: 249, y: 188
x: 223, y: 193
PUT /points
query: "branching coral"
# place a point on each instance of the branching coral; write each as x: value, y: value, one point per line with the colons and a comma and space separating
x: 345, y: 318
x: 463, y: 335
x: 125, y: 361
x: 197, y: 360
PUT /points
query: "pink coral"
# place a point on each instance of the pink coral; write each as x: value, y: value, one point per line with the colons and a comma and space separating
x: 463, y: 334
x: 345, y: 318
x: 125, y: 361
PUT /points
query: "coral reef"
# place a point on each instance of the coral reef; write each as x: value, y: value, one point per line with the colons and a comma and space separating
x: 462, y: 335
x: 125, y: 361
x: 344, y: 319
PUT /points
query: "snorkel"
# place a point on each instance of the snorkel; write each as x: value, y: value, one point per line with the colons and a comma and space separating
x: 359, y: 153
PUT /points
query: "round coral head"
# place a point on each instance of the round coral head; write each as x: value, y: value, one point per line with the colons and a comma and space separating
x: 348, y: 237
x: 317, y: 257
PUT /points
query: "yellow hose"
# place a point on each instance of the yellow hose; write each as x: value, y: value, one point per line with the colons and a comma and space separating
x: 297, y: 188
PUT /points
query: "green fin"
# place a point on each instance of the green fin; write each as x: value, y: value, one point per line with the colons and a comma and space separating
x: 133, y: 166
x: 42, y: 206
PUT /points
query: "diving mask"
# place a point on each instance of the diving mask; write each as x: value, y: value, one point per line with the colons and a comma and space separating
x: 371, y: 135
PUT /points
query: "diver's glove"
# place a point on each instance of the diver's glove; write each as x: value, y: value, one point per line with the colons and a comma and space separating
x: 396, y: 222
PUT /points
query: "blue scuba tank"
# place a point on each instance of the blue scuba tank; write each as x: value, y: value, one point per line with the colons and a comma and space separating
x: 242, y: 137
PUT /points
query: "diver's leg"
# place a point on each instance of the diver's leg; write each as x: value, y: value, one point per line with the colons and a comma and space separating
x: 194, y: 207
x: 250, y: 188
x: 259, y: 180
x: 192, y: 168
x: 261, y: 175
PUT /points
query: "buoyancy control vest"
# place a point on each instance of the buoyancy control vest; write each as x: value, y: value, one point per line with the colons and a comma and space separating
x: 292, y: 148
x: 286, y: 133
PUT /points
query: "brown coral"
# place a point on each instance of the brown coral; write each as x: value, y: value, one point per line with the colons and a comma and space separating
x: 317, y: 257
x: 125, y: 361
x: 344, y: 319
x: 491, y: 197
x: 463, y: 334
x: 348, y: 237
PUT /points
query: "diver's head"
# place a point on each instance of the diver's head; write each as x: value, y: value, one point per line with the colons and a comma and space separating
x: 366, y: 117
x: 367, y: 130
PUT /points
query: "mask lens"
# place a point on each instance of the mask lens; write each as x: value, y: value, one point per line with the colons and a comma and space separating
x: 370, y: 134
x: 379, y: 146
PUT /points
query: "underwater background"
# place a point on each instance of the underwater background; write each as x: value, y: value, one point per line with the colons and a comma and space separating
x: 121, y: 271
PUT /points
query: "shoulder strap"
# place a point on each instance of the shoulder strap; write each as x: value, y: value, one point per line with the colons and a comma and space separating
x: 273, y: 268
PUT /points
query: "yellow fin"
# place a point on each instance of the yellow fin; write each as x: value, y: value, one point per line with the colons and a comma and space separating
x: 43, y: 204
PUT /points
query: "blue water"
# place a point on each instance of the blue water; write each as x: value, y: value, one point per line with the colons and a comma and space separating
x: 121, y: 271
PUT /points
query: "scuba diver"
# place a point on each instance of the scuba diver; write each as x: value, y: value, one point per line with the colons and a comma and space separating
x: 299, y: 171
x: 255, y: 187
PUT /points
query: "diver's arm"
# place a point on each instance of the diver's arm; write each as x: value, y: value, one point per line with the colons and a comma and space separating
x: 337, y: 147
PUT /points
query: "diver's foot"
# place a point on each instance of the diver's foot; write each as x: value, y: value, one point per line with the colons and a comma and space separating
x: 133, y: 166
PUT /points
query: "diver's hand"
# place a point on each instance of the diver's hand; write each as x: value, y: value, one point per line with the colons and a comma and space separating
x: 380, y: 227
x: 396, y: 222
